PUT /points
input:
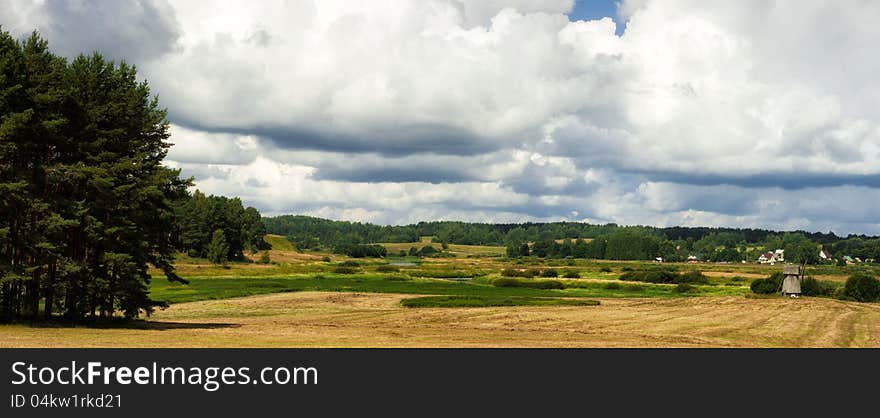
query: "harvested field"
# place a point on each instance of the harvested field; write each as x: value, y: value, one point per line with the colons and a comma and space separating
x: 319, y: 319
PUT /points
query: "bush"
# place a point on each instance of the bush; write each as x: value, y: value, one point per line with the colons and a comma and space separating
x: 264, y: 258
x: 571, y: 274
x: 684, y: 288
x: 772, y: 284
x: 349, y: 263
x: 692, y: 276
x: 325, y: 259
x: 549, y: 273
x: 813, y: 287
x: 634, y: 288
x: 657, y: 276
x: 534, y: 284
x: 361, y: 250
x: 605, y: 270
x: 862, y: 288
x: 612, y: 286
x: 624, y: 269
x: 510, y: 272
x: 345, y: 270
x: 387, y: 269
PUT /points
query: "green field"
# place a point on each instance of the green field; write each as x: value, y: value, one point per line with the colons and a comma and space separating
x: 209, y: 288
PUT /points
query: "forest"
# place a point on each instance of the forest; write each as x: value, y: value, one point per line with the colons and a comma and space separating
x: 86, y: 206
x: 583, y: 240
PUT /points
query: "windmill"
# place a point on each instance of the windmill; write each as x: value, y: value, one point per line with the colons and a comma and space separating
x: 791, y: 282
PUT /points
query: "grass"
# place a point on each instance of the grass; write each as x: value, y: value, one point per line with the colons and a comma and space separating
x: 210, y: 288
x: 489, y: 301
x: 279, y: 243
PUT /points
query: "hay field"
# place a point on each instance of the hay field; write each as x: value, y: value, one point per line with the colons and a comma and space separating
x: 323, y: 319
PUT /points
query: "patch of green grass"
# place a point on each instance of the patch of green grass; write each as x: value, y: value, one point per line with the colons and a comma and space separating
x: 487, y: 301
x: 279, y: 242
x: 210, y: 288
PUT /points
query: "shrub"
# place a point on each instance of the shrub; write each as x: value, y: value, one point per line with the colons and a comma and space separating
x: 505, y: 282
x: 535, y: 284
x: 549, y: 273
x: 264, y: 258
x: 612, y: 286
x: 325, y: 259
x: 605, y: 270
x: 397, y: 278
x: 510, y: 272
x: 767, y: 286
x: 634, y: 288
x: 693, y: 276
x: 862, y: 288
x: 625, y: 269
x: 813, y: 287
x: 345, y: 270
x: 652, y: 276
x: 361, y: 250
x: 387, y: 269
x: 684, y: 288
x: 571, y: 274
x: 349, y: 263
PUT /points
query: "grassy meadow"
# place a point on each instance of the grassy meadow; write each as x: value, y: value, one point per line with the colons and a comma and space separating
x: 304, y: 299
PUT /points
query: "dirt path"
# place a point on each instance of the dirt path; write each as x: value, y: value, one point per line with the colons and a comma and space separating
x: 315, y: 319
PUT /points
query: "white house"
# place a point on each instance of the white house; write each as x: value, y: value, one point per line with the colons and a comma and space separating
x: 772, y: 257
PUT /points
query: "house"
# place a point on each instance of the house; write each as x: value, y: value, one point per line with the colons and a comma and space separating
x: 780, y: 255
x: 825, y: 254
x: 693, y: 259
x: 848, y: 259
x: 772, y: 257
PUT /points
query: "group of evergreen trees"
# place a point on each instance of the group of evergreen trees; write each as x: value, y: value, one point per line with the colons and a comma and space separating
x: 85, y: 203
x: 219, y: 228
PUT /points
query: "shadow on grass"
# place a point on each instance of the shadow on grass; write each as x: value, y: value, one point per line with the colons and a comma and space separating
x: 120, y: 323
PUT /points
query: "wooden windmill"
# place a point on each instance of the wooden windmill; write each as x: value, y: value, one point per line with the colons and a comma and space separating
x: 791, y: 283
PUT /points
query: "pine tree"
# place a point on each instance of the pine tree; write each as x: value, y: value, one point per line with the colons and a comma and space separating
x: 85, y: 204
x: 218, y: 249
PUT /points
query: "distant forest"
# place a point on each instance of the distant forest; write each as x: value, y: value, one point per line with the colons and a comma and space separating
x: 582, y: 240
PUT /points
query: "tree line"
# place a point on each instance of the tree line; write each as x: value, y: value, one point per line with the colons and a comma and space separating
x: 86, y: 206
x: 582, y: 240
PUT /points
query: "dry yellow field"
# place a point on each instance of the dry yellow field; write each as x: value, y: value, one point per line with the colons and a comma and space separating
x: 316, y: 319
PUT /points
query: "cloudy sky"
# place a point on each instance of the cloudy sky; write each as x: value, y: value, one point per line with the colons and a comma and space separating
x: 663, y: 112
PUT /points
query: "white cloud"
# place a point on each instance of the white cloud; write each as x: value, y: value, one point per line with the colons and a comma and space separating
x: 701, y: 112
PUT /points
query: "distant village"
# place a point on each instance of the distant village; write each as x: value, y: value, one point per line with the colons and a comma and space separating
x: 778, y: 256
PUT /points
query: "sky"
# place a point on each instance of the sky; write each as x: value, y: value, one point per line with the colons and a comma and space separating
x: 673, y: 112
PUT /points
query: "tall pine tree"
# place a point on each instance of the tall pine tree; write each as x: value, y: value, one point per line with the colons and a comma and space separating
x: 85, y: 202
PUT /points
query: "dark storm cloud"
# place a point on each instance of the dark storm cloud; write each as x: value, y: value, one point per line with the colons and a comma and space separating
x: 787, y: 181
x: 393, y: 142
x: 434, y: 175
x: 535, y: 181
x: 134, y: 30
